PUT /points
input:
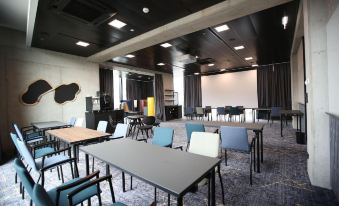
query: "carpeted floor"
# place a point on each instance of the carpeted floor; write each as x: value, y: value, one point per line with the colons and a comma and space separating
x: 283, y: 180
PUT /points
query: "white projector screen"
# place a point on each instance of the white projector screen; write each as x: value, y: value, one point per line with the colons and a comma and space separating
x: 230, y: 89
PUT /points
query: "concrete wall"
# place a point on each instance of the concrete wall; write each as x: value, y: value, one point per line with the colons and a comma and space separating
x: 20, y: 66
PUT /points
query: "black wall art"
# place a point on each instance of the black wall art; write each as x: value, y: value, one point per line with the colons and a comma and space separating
x: 62, y: 94
x: 35, y: 91
x: 66, y: 92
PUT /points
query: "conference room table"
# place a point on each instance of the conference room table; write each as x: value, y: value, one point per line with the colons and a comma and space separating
x: 257, y: 128
x: 76, y: 136
x: 173, y: 171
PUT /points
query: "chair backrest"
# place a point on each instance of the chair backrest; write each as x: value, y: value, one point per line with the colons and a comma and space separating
x: 199, y: 110
x: 120, y: 130
x: 40, y: 196
x: 234, y: 138
x: 102, y: 126
x: 240, y: 108
x: 208, y: 109
x: 79, y: 122
x: 275, y: 111
x: 204, y: 143
x: 26, y: 155
x: 163, y: 136
x: 221, y: 110
x: 145, y: 111
x: 14, y: 138
x: 18, y: 132
x: 72, y: 121
x: 149, y: 120
x: 234, y: 111
x: 26, y: 179
x: 189, y: 110
x: 193, y: 128
x: 228, y: 109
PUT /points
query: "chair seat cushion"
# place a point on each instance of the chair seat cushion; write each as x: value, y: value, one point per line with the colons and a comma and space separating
x: 78, y: 198
x: 51, y: 160
x: 41, y: 152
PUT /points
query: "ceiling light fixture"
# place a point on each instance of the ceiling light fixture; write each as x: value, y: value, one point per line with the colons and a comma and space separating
x: 165, y: 45
x: 117, y: 24
x: 196, y: 57
x: 145, y: 10
x: 254, y: 65
x: 197, y: 73
x: 221, y: 28
x: 160, y: 64
x: 248, y: 58
x: 210, y: 65
x: 239, y: 47
x: 130, y: 56
x: 131, y: 30
x: 222, y: 70
x: 82, y: 43
x: 284, y: 21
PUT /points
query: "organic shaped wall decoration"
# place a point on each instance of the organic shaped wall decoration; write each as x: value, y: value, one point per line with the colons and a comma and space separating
x: 63, y: 93
x: 35, y: 91
x: 66, y: 92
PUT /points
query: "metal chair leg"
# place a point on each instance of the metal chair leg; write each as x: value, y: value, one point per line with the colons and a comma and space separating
x: 226, y: 157
x: 222, y: 186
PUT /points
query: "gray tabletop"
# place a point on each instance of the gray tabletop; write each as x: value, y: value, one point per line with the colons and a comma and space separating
x: 169, y: 169
x: 249, y: 126
x: 49, y: 125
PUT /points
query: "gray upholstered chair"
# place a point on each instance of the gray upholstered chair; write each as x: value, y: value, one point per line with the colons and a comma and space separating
x: 275, y: 113
x: 236, y: 139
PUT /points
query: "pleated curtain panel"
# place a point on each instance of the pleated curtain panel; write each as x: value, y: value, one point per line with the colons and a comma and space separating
x: 274, y: 86
x: 159, y: 96
x: 137, y: 90
x: 106, y: 82
x: 192, y: 91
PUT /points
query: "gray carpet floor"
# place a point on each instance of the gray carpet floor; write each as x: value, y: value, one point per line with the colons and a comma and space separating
x: 283, y: 180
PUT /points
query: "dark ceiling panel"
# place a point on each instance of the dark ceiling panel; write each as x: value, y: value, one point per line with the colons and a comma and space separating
x: 87, y: 20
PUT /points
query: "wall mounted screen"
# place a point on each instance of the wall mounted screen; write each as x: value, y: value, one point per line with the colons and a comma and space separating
x: 233, y: 89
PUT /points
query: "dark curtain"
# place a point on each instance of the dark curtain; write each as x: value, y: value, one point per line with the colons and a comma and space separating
x: 106, y: 82
x: 192, y: 91
x: 274, y: 86
x: 159, y: 97
x: 137, y: 90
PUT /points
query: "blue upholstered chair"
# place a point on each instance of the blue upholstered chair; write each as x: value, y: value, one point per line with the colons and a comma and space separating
x: 189, y: 112
x: 163, y: 137
x: 28, y: 135
x: 221, y: 112
x: 236, y: 139
x: 199, y: 112
x: 102, y: 126
x: 72, y: 192
x: 193, y: 128
x: 72, y: 121
x: 275, y: 113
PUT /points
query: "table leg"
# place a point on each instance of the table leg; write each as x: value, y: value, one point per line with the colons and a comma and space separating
x: 299, y: 123
x: 213, y: 187
x: 180, y: 201
x: 87, y: 164
x: 262, y: 146
x: 107, y: 170
x: 281, y: 125
x: 258, y: 149
x: 75, y: 152
x: 123, y: 182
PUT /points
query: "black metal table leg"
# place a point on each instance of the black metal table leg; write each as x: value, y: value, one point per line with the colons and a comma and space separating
x: 258, y: 149
x: 87, y: 164
x: 262, y: 146
x: 180, y: 201
x: 213, y: 187
x: 281, y: 125
x: 123, y: 182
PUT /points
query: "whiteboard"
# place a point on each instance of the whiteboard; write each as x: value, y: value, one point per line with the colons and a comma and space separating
x: 230, y: 89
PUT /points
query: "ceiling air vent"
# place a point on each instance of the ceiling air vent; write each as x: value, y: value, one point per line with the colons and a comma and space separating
x: 205, y: 61
x: 91, y: 12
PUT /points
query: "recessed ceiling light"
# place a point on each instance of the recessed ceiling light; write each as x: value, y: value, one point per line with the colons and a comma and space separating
x: 196, y: 57
x: 254, y: 65
x: 117, y: 24
x: 239, y: 47
x: 129, y: 56
x: 284, y: 21
x: 145, y: 10
x: 131, y: 29
x: 165, y: 45
x: 222, y: 28
x: 248, y: 58
x: 197, y: 73
x: 222, y: 70
x: 160, y: 64
x: 210, y: 65
x: 82, y: 43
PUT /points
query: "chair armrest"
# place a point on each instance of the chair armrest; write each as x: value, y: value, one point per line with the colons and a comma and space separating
x: 57, y: 152
x: 49, y: 143
x: 89, y: 184
x: 216, y: 131
x: 58, y: 163
x: 80, y: 181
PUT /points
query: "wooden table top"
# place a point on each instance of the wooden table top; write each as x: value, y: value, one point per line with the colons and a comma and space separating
x: 73, y: 135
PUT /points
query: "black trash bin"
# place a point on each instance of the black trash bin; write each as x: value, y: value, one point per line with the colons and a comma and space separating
x: 300, y: 137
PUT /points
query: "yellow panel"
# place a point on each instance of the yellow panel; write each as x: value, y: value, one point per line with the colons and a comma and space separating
x: 150, y: 106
